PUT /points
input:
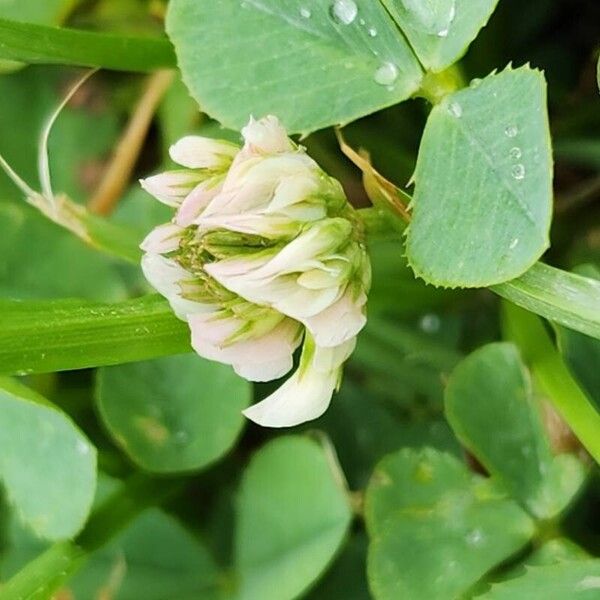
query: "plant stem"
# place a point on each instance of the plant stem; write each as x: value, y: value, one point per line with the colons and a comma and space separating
x: 121, y: 167
x: 436, y: 86
x: 553, y: 376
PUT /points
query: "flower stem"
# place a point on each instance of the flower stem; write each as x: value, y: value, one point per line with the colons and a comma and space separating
x: 123, y: 161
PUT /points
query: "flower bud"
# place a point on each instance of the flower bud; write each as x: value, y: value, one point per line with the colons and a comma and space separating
x: 263, y: 251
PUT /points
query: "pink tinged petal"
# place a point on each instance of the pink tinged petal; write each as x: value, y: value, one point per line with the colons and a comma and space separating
x: 170, y: 187
x: 196, y: 152
x: 307, y: 394
x: 196, y: 201
x: 263, y: 358
x: 165, y: 275
x: 266, y: 136
x: 339, y: 322
x: 162, y: 239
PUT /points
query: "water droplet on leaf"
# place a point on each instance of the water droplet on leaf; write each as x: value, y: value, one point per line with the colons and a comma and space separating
x: 518, y: 172
x: 515, y: 153
x: 305, y: 12
x: 475, y: 537
x: 372, y: 31
x: 181, y: 437
x: 386, y: 74
x: 511, y: 131
x: 344, y: 11
x: 430, y: 323
x: 455, y: 109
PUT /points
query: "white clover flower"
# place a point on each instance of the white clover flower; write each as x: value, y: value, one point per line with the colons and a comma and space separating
x: 263, y: 254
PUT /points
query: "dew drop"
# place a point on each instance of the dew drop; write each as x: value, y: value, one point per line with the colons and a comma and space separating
x: 430, y: 323
x: 344, y: 11
x: 475, y: 537
x: 514, y: 244
x: 362, y: 21
x: 455, y: 109
x: 515, y: 153
x: 372, y: 31
x: 386, y: 74
x: 180, y: 437
x: 443, y: 32
x: 475, y: 83
x: 511, y: 131
x: 518, y: 172
x: 305, y: 13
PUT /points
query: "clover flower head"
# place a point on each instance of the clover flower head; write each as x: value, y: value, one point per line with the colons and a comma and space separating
x: 263, y: 254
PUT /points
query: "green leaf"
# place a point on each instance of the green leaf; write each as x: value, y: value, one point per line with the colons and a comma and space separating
x: 32, y: 43
x: 292, y: 516
x: 577, y: 580
x: 49, y: 12
x: 565, y: 298
x: 61, y: 335
x: 435, y: 528
x: 28, y: 270
x: 440, y: 31
x: 154, y: 558
x: 582, y: 353
x: 41, y: 578
x: 553, y: 377
x: 172, y: 414
x: 284, y: 57
x: 483, y: 195
x: 53, y: 494
x: 489, y: 391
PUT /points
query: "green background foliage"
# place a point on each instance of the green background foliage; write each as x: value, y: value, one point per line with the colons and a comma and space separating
x: 458, y: 460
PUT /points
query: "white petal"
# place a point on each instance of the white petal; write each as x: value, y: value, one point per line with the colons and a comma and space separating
x: 339, y: 322
x: 306, y: 395
x: 251, y: 184
x: 170, y: 187
x: 298, y: 400
x: 269, y: 226
x: 263, y: 358
x: 164, y: 276
x: 266, y: 136
x: 196, y: 152
x: 196, y: 201
x: 162, y: 239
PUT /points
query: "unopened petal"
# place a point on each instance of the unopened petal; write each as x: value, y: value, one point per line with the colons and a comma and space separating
x: 196, y: 152
x: 266, y: 136
x: 170, y: 187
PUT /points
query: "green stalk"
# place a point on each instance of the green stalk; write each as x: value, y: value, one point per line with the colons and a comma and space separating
x: 553, y: 376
